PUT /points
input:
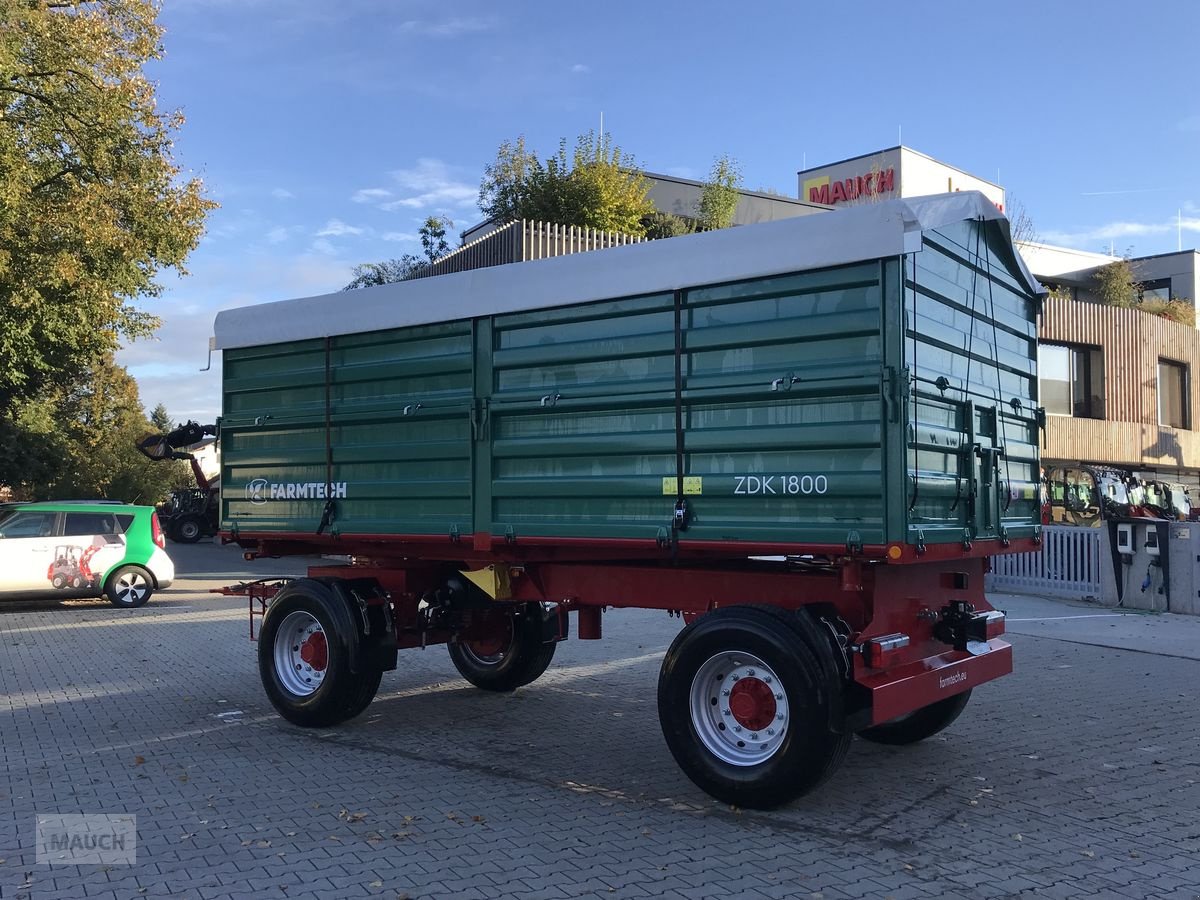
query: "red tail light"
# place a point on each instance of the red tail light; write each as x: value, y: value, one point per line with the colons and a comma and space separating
x: 156, y: 531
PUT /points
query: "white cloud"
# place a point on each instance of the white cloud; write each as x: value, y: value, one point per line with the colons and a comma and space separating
x: 402, y: 236
x: 1119, y: 230
x: 282, y: 194
x: 338, y: 228
x: 322, y: 246
x: 277, y: 235
x: 431, y: 183
x: 580, y: 69
x: 448, y: 28
x: 370, y: 195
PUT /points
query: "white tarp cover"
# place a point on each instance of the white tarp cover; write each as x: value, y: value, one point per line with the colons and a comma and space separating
x: 871, y: 231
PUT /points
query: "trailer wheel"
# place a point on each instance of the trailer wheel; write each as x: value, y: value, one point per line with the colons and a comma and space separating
x: 188, y: 531
x: 744, y: 703
x: 510, y: 658
x: 129, y: 587
x: 304, y: 660
x: 920, y: 724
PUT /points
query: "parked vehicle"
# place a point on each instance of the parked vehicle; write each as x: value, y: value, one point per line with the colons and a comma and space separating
x: 189, y: 513
x: 498, y: 449
x: 83, y: 550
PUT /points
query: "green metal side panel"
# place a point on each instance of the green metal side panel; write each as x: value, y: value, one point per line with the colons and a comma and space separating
x: 581, y: 420
x: 973, y: 436
x: 887, y: 401
x: 400, y: 433
x: 783, y: 409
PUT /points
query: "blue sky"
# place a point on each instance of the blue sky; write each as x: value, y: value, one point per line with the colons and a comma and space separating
x: 329, y: 130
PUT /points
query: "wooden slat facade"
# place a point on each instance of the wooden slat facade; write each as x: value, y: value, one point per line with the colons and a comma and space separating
x: 1132, y: 343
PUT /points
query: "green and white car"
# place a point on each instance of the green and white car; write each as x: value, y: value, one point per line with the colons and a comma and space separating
x: 83, y: 549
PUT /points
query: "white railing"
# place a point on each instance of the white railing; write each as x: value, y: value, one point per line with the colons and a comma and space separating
x: 1068, y: 565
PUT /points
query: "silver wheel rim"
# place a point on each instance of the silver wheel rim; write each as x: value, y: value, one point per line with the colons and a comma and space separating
x: 299, y: 662
x: 131, y: 588
x: 739, y: 709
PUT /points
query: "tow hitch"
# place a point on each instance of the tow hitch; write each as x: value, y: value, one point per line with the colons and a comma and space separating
x: 964, y: 629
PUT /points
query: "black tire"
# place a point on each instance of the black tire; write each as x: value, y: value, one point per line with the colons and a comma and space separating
x: 522, y: 662
x: 807, y: 751
x: 341, y: 694
x: 128, y: 587
x: 188, y: 530
x: 916, y: 726
x: 59, y: 581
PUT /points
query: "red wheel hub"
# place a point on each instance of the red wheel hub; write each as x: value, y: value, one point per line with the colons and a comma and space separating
x: 495, y: 642
x: 752, y: 703
x: 315, y: 651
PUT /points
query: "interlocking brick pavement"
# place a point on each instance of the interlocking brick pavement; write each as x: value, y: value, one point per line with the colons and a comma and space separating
x: 1075, y: 777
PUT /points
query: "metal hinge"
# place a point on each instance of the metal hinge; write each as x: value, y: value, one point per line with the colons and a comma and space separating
x: 479, y: 417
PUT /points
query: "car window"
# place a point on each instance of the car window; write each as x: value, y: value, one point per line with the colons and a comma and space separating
x: 27, y: 523
x: 123, y: 522
x: 92, y: 523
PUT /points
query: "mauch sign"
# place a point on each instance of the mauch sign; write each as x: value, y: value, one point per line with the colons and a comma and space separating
x: 824, y: 190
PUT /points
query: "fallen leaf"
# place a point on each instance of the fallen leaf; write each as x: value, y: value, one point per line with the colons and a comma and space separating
x: 1088, y: 853
x: 1017, y: 837
x: 138, y: 760
x: 476, y: 818
x: 375, y: 884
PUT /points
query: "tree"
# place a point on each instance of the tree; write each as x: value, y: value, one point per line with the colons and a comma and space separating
x: 719, y: 199
x: 92, y: 204
x: 433, y: 240
x: 1116, y: 285
x: 80, y: 443
x: 660, y: 224
x: 161, y: 420
x: 597, y: 186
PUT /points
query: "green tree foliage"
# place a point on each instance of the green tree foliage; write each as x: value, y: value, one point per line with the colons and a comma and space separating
x: 92, y: 205
x: 79, y: 442
x: 1116, y: 285
x: 434, y: 244
x: 719, y: 199
x: 660, y: 224
x: 596, y: 186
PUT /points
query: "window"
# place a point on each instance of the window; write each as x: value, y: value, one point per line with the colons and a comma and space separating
x: 1071, y: 380
x: 88, y: 523
x: 27, y: 525
x: 1155, y: 290
x: 1173, y: 389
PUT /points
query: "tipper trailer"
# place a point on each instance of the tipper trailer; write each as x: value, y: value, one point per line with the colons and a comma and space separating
x: 804, y: 437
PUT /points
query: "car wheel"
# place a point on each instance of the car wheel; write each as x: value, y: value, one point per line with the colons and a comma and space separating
x: 59, y: 581
x: 129, y: 587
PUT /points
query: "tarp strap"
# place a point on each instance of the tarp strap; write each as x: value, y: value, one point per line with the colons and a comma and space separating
x: 679, y: 518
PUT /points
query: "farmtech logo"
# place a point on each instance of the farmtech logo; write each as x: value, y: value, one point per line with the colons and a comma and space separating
x: 260, y: 490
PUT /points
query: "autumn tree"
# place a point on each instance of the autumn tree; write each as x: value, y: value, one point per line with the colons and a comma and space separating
x: 79, y: 442
x: 92, y: 204
x: 719, y: 198
x: 596, y: 186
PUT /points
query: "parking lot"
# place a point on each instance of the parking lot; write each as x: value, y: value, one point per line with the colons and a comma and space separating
x: 1075, y: 777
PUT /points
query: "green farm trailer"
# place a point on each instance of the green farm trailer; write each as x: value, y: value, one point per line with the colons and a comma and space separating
x: 805, y: 437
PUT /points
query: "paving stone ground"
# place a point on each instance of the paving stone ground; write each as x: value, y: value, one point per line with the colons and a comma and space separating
x: 1078, y: 776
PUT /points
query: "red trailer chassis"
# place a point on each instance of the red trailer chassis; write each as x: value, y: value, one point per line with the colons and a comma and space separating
x: 885, y: 642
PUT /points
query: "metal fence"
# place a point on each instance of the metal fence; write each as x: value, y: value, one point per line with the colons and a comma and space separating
x: 524, y: 240
x: 1068, y: 565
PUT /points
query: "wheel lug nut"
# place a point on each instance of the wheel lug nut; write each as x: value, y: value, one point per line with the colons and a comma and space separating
x: 771, y: 731
x: 734, y: 677
x: 767, y: 679
x: 728, y: 713
x: 750, y: 673
x: 779, y: 696
x: 779, y: 717
x: 737, y: 727
x: 754, y: 737
x: 725, y: 693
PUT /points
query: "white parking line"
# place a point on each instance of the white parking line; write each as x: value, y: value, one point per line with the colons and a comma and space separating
x: 1059, y: 618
